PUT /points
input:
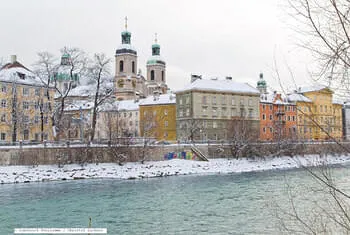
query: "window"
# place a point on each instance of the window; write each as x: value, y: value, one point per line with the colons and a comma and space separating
x: 293, y: 118
x: 204, y: 110
x: 187, y: 112
x: 36, y: 136
x: 133, y: 67
x: 204, y: 100
x: 180, y: 101
x: 270, y: 116
x: 181, y: 113
x: 250, y: 102
x: 165, y: 112
x: 242, y: 114
x: 165, y: 123
x: 130, y: 123
x: 215, y: 112
x: 233, y: 112
x: 321, y: 108
x: 233, y: 101
x: 213, y: 100
x: 3, y: 136
x: 3, y: 118
x: 264, y: 129
x: 162, y: 76
x: 25, y: 91
x: 270, y: 107
x: 121, y: 66
x: 3, y: 88
x: 25, y: 119
x: 130, y: 114
x: 25, y: 105
x: 223, y: 99
x: 152, y: 75
x: 250, y: 113
x: 223, y: 112
x: 263, y: 107
x: 36, y: 104
x: 264, y: 117
x: 46, y: 120
x: 36, y: 119
x: 3, y: 103
x: 26, y: 134
x: 37, y: 91
x: 125, y: 115
x: 187, y: 99
x: 242, y: 102
x: 271, y: 130
x: 215, y: 125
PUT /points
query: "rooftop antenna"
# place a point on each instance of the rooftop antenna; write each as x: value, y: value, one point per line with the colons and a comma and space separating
x: 155, y: 38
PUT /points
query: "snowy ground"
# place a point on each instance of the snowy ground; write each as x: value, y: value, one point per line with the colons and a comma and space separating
x: 25, y: 174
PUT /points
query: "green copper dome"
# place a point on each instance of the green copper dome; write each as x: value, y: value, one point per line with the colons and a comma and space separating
x: 261, y: 82
x: 126, y: 37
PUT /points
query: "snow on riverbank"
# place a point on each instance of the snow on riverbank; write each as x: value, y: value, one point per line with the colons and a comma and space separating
x: 25, y: 174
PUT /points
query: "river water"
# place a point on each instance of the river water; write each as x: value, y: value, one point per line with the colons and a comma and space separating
x: 195, y: 204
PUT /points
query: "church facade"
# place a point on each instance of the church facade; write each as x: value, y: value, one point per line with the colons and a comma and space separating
x: 129, y: 82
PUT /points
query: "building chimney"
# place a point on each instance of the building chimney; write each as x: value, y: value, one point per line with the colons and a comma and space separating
x: 229, y: 78
x: 195, y: 77
x: 13, y: 58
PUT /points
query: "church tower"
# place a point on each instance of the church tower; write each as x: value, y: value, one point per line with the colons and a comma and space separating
x: 261, y: 84
x: 156, y: 78
x: 126, y: 68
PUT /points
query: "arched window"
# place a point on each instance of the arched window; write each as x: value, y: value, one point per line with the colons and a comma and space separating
x: 162, y: 76
x: 152, y: 75
x: 121, y: 66
x: 133, y: 67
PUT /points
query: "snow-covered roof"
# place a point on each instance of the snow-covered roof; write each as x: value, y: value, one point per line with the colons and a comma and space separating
x: 271, y: 99
x: 82, y: 90
x: 79, y: 104
x: 316, y: 87
x: 154, y: 59
x: 220, y: 86
x: 123, y: 105
x: 295, y: 97
x: 161, y: 99
x: 126, y: 46
x: 19, y: 74
x: 337, y: 101
x: 267, y: 98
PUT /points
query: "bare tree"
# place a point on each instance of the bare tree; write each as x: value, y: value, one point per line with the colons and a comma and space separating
x: 324, y: 29
x: 241, y: 137
x: 46, y: 68
x: 99, y: 70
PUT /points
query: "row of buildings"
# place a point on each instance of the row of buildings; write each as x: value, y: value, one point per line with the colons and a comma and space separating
x: 143, y: 106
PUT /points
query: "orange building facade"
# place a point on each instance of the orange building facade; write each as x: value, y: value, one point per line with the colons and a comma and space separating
x: 278, y: 118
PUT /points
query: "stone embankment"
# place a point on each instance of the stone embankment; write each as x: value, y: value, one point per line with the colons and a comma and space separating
x: 69, y: 154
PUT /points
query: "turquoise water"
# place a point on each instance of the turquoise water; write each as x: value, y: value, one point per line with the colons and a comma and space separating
x: 197, y: 204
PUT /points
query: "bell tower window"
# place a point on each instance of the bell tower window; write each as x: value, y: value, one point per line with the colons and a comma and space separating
x: 133, y: 67
x: 121, y: 66
x: 152, y: 75
x: 162, y: 76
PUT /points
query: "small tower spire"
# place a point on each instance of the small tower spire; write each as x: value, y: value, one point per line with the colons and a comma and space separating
x: 126, y: 23
x: 155, y: 38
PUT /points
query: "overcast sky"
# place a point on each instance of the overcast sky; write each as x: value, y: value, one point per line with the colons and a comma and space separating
x: 237, y: 38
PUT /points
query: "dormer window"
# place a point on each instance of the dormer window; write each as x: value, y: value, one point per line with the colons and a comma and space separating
x: 21, y: 75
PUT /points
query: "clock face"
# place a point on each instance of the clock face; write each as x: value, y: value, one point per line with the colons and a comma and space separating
x: 121, y: 83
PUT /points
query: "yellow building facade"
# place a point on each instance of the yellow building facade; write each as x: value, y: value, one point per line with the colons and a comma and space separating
x: 26, y: 105
x: 158, y: 117
x: 319, y: 118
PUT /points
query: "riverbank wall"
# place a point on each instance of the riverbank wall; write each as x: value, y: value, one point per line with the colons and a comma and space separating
x: 27, y: 155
